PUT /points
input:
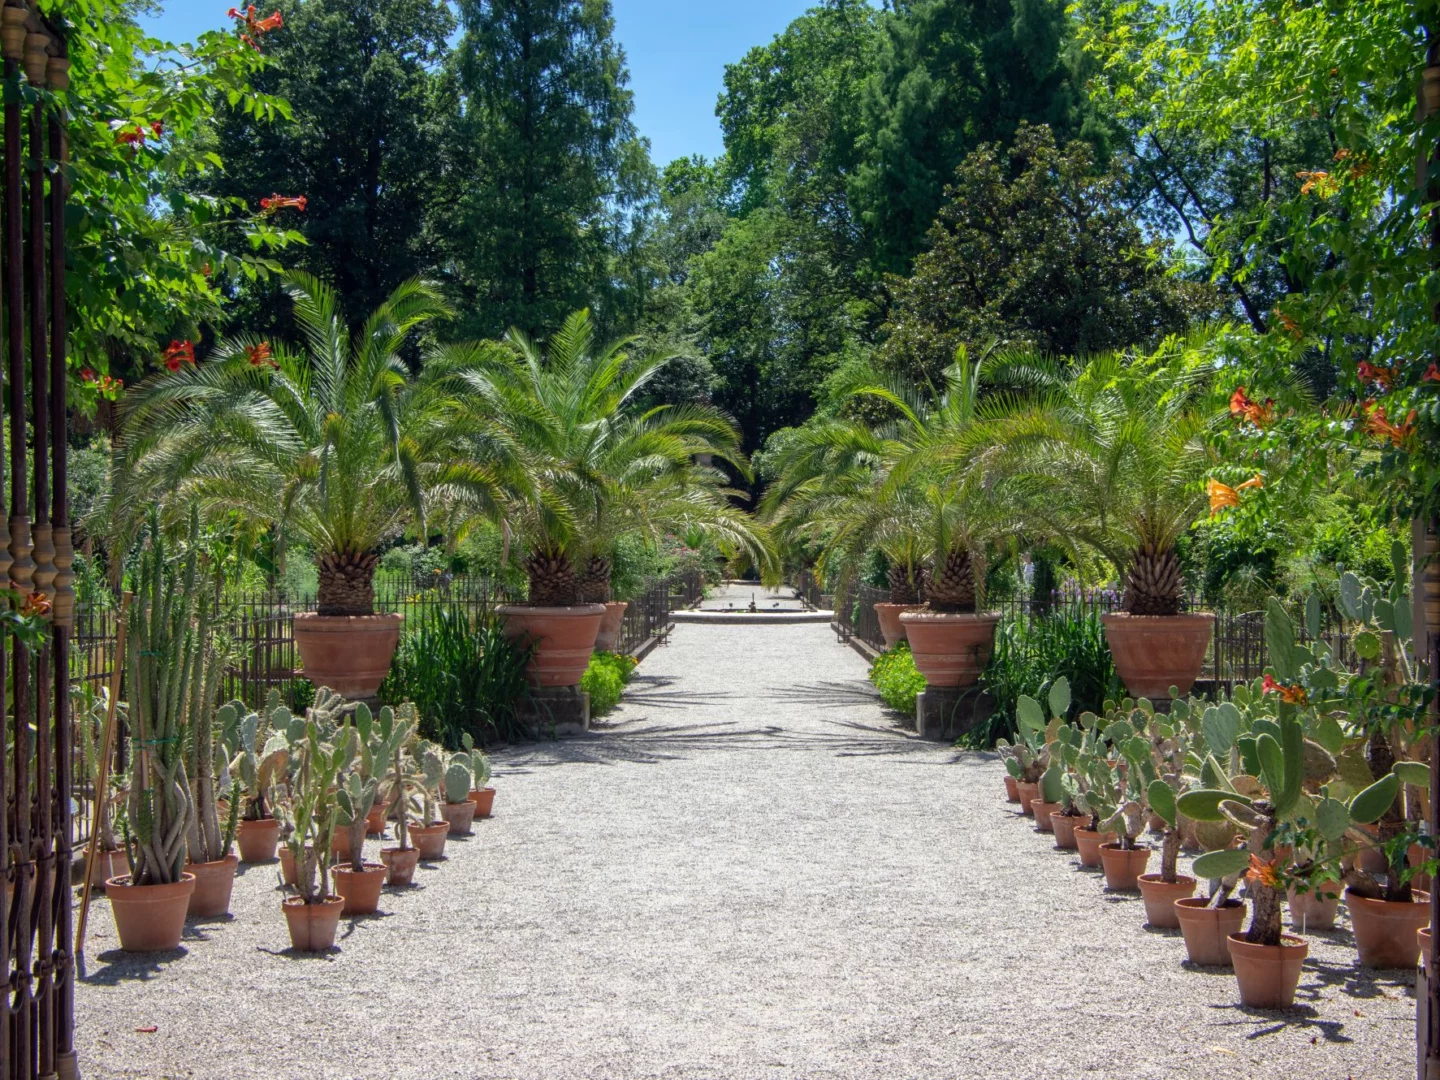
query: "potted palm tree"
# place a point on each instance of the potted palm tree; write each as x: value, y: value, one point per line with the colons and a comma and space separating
x: 321, y: 442
x: 1115, y: 455
x: 550, y: 440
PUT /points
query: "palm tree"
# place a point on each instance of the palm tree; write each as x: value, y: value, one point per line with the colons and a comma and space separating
x: 1114, y: 458
x: 323, y: 442
x: 550, y: 441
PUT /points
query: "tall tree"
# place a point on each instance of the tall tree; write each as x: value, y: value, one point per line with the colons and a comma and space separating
x: 364, y: 148
x: 951, y: 74
x: 546, y: 166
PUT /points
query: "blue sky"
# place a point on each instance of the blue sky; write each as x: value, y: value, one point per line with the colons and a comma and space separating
x: 677, y: 50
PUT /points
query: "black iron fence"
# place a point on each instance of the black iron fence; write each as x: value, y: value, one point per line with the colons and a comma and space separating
x: 648, y: 615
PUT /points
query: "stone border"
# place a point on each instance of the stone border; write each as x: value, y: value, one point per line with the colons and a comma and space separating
x: 747, y: 618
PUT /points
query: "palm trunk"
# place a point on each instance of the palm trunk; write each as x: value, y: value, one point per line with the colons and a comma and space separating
x: 347, y: 583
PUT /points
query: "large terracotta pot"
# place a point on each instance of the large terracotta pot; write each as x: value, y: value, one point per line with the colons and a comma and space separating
x: 458, y: 816
x: 1268, y: 974
x: 1064, y: 826
x: 1207, y: 930
x: 400, y: 864
x: 891, y: 628
x: 1160, y: 897
x: 257, y: 839
x: 149, y: 918
x: 1385, y: 930
x: 610, y: 623
x: 312, y: 926
x: 350, y: 654
x: 484, y: 801
x: 1042, y: 811
x: 361, y: 890
x: 563, y: 639
x: 950, y: 650
x: 1087, y: 842
x: 108, y: 864
x: 430, y: 839
x: 1123, y: 867
x: 213, y: 884
x: 1315, y: 908
x: 1155, y: 652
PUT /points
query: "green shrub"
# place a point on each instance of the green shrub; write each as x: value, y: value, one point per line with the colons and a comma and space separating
x: 895, y: 676
x: 464, y: 676
x: 605, y: 680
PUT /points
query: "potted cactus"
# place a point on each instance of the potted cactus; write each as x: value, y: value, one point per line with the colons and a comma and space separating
x: 482, y: 795
x: 149, y: 903
x: 429, y: 835
x: 375, y: 739
x: 456, y: 785
x: 1050, y: 792
x: 400, y: 778
x: 257, y: 759
x: 1026, y: 760
x: 211, y: 841
x: 1171, y: 746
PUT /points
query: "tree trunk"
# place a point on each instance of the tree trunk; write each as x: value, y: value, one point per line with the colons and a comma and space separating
x: 1169, y: 855
x: 347, y: 584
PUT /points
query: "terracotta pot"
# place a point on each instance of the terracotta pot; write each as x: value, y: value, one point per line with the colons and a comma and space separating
x: 375, y: 821
x: 400, y: 864
x: 430, y: 839
x: 361, y: 890
x: 257, y: 839
x: 1372, y: 860
x: 1160, y: 897
x: 1155, y: 652
x: 149, y: 918
x: 1268, y: 974
x: 340, y: 846
x: 1087, y: 842
x: 1385, y: 930
x: 350, y: 654
x: 108, y: 864
x: 1028, y: 793
x: 1064, y: 826
x: 610, y: 623
x: 563, y: 639
x: 1041, y: 810
x: 1207, y: 931
x: 1011, y: 794
x: 312, y: 926
x: 1123, y: 868
x: 950, y: 650
x: 484, y: 802
x: 287, y: 867
x: 458, y: 816
x: 1315, y: 908
x: 213, y: 882
x: 891, y: 628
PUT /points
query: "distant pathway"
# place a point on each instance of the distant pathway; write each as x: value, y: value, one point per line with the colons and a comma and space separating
x: 747, y: 871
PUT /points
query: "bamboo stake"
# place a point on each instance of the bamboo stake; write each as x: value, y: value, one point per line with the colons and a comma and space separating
x: 102, y: 774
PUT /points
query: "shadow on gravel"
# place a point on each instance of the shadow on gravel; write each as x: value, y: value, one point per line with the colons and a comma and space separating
x: 1275, y: 1021
x: 1355, y: 981
x: 122, y: 967
x: 327, y: 955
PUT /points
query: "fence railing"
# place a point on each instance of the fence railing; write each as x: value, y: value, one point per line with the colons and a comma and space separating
x: 1236, y: 654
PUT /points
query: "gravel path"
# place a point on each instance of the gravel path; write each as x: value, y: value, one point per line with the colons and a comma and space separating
x: 748, y: 871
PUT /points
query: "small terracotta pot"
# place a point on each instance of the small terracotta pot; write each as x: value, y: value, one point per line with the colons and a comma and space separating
x: 563, y: 639
x: 1160, y: 897
x: 1028, y: 793
x: 149, y: 918
x: 340, y: 846
x: 1372, y: 860
x: 1064, y: 826
x: 400, y: 864
x: 375, y: 821
x: 288, y: 873
x: 257, y: 839
x: 312, y: 926
x: 1385, y: 931
x: 1011, y: 795
x: 1207, y: 930
x: 891, y: 628
x: 1315, y: 908
x: 1123, y: 868
x: 108, y: 864
x: 1087, y: 842
x: 1155, y: 652
x: 1041, y: 811
x: 429, y: 840
x: 361, y: 890
x: 458, y: 816
x: 610, y: 623
x: 350, y: 654
x: 950, y: 649
x: 213, y: 883
x: 484, y: 801
x: 1268, y: 974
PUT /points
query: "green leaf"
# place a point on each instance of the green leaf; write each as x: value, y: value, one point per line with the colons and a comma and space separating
x: 1280, y: 642
x: 1367, y: 645
x: 1349, y: 596
x: 1214, y: 865
x: 1029, y: 715
x: 1272, y: 764
x: 1413, y: 772
x: 1162, y: 801
x: 1332, y: 818
x: 1060, y: 697
x: 1220, y: 727
x: 1050, y: 787
x: 1370, y: 805
x: 1313, y: 615
x: 1204, y: 804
